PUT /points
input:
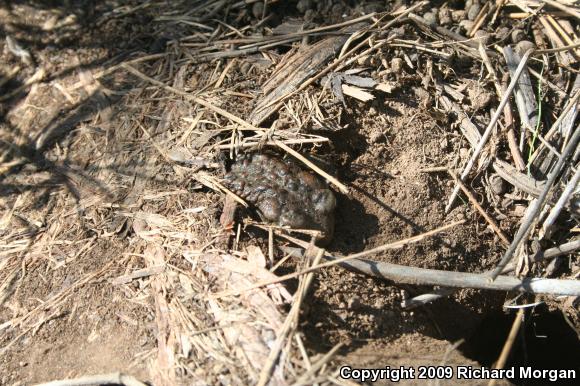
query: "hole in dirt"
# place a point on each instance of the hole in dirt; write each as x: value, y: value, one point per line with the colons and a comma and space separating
x: 545, y: 341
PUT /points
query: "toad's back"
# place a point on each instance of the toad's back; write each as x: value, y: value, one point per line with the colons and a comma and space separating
x: 283, y: 193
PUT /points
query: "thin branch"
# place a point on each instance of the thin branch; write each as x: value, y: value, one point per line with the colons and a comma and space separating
x: 102, y: 379
x: 336, y: 261
x: 537, y: 204
x: 491, y: 125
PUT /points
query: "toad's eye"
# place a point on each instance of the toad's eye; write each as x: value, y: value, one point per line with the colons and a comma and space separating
x: 324, y: 201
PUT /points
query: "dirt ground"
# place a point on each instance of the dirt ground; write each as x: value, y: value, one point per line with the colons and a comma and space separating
x: 86, y: 186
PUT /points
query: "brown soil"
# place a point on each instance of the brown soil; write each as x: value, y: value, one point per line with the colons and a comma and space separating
x: 74, y: 240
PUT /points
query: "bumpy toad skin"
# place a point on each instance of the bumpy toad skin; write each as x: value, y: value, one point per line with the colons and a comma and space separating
x: 283, y: 193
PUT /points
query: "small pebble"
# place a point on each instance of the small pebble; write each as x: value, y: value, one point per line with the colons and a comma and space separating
x: 397, y: 65
x: 498, y: 185
x: 482, y: 36
x: 502, y: 33
x: 258, y: 10
x: 379, y: 303
x: 517, y: 36
x: 473, y: 11
x: 364, y: 61
x: 430, y: 18
x: 468, y: 4
x: 457, y: 15
x: 524, y: 46
x: 466, y: 24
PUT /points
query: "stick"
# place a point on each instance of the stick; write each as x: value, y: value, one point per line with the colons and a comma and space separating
x: 558, y: 251
x: 304, y: 378
x: 562, y: 7
x: 272, y: 143
x: 487, y: 217
x: 520, y: 180
x: 102, y: 379
x: 327, y: 176
x: 572, y: 103
x: 541, y: 255
x: 421, y: 276
x: 290, y: 322
x: 341, y: 62
x: 507, y: 347
x: 490, y: 127
x: 468, y: 128
x: 524, y: 93
x: 537, y: 205
x: 549, y: 253
x: 335, y: 261
x: 548, y: 226
x: 511, y: 135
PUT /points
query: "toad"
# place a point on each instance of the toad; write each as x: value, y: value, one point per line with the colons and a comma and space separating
x: 283, y: 193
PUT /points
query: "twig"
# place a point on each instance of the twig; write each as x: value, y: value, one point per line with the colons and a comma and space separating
x: 521, y: 181
x: 342, y: 62
x: 289, y: 323
x: 481, y: 211
x: 511, y: 135
x: 570, y: 11
x: 509, y: 119
x: 480, y: 19
x: 305, y: 378
x: 524, y: 94
x: 421, y: 276
x: 549, y: 253
x: 272, y: 143
x: 335, y: 261
x: 557, y: 251
x: 468, y: 129
x: 572, y: 103
x: 490, y: 127
x: 138, y: 274
x: 558, y: 49
x: 548, y: 226
x: 537, y: 205
x: 102, y: 379
x: 444, y: 31
x: 300, y: 157
x: 554, y: 38
x: 507, y: 347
